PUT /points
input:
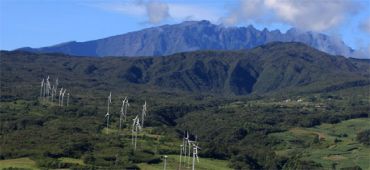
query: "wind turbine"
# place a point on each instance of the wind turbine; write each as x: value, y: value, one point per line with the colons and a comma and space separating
x: 135, y: 129
x: 47, y: 87
x: 56, y: 83
x: 143, y: 114
x: 189, y: 151
x: 123, y: 111
x: 184, y: 142
x: 165, y: 162
x: 42, y: 87
x: 63, y: 96
x: 195, y: 155
x: 67, y: 99
x: 126, y: 107
x: 181, y: 151
x: 52, y: 93
x: 60, y: 97
x: 109, y: 100
x: 107, y: 115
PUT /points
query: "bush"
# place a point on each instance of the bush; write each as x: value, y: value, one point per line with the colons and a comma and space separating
x: 352, y: 168
x: 89, y: 159
x: 12, y: 168
x: 140, y: 157
x: 50, y: 163
x: 364, y: 137
x: 303, y: 164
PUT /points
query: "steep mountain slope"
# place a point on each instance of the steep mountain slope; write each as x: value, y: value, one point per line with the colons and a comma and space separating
x: 275, y: 67
x: 191, y: 36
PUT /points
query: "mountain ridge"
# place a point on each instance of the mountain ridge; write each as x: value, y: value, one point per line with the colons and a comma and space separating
x: 192, y: 36
x: 271, y: 68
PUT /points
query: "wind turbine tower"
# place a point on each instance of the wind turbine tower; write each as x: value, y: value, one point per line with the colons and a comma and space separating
x: 107, y: 115
x: 137, y: 129
x: 181, y: 151
x: 143, y: 114
x: 60, y: 97
x: 165, y: 162
x: 195, y: 155
x: 64, y: 92
x: 123, y: 111
x: 67, y: 99
x: 42, y: 88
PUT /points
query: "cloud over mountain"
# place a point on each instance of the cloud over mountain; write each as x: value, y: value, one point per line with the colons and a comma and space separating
x: 156, y: 11
x: 313, y: 15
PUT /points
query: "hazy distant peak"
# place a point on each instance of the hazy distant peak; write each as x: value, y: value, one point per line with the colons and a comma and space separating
x: 194, y: 35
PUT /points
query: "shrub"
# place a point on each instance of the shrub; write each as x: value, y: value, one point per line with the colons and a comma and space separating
x: 364, y: 137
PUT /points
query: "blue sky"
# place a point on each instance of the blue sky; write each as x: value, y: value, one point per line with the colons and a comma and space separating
x: 38, y: 23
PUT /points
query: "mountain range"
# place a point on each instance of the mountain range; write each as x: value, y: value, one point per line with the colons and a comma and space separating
x: 192, y: 36
x: 272, y: 68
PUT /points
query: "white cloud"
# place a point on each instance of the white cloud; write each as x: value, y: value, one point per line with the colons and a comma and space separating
x: 157, y: 12
x: 316, y: 15
x: 193, y: 12
x: 246, y: 10
x: 154, y: 11
x: 362, y: 52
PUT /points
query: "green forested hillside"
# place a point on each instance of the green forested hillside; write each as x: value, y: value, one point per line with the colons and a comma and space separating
x: 238, y: 104
x: 270, y: 68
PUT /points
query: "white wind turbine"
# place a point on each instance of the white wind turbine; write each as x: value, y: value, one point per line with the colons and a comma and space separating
x: 124, y: 106
x: 56, y: 83
x: 107, y: 115
x: 189, y: 151
x: 181, y: 152
x: 185, y: 143
x: 48, y: 87
x: 165, y: 162
x: 63, y: 97
x: 143, y: 114
x: 135, y: 130
x: 195, y: 155
x: 42, y: 88
x: 60, y: 97
x: 52, y: 93
x: 67, y: 99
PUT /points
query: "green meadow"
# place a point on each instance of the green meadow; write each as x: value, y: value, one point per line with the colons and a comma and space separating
x: 331, y: 145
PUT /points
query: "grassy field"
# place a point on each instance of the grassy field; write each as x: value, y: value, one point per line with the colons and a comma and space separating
x: 72, y: 161
x: 173, y: 163
x: 26, y: 163
x: 336, y: 144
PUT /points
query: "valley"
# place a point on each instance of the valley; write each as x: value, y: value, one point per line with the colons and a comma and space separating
x: 276, y: 106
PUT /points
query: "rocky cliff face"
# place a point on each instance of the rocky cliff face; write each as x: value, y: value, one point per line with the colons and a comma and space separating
x: 191, y: 36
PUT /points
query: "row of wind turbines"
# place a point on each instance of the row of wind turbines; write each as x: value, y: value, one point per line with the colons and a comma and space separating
x: 136, y: 124
x: 188, y: 148
x: 185, y: 152
x: 49, y: 92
